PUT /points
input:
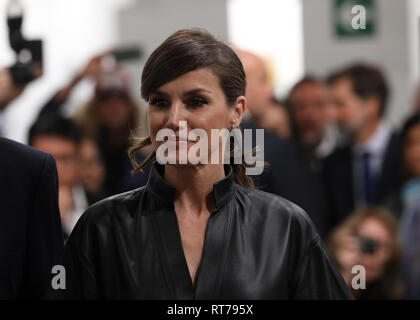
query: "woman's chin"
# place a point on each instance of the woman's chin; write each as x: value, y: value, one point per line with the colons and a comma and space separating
x: 183, y: 161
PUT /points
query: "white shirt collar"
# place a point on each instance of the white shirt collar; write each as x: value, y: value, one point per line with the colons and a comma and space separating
x: 80, y: 204
x: 378, y: 142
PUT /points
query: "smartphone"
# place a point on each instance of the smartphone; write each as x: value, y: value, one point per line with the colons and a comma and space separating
x: 129, y: 53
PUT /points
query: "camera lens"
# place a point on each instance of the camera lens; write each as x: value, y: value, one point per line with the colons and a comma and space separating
x: 367, y: 245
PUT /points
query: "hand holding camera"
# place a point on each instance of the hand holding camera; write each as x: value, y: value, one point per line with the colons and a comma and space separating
x: 8, y: 90
x: 28, y: 53
x: 28, y: 58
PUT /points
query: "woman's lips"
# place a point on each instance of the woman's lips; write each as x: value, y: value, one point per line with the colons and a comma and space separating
x: 176, y: 140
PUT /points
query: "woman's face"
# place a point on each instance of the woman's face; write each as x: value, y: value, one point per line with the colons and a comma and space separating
x: 114, y: 113
x: 92, y: 171
x: 197, y: 100
x: 412, y: 150
x: 376, y: 262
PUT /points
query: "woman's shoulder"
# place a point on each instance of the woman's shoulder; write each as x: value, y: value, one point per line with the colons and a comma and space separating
x: 120, y: 206
x: 275, y: 209
x: 263, y: 199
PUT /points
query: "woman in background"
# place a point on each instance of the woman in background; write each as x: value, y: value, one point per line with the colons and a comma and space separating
x: 409, y: 199
x: 109, y: 119
x: 369, y: 237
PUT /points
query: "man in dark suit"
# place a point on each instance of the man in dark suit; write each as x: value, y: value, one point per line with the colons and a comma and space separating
x: 363, y: 170
x: 31, y: 239
x: 314, y: 138
x: 284, y: 174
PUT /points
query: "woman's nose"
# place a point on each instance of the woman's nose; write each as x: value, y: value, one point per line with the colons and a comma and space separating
x: 175, y: 115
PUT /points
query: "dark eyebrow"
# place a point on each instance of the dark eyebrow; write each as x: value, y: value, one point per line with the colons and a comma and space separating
x: 160, y: 93
x: 195, y: 91
x: 185, y: 94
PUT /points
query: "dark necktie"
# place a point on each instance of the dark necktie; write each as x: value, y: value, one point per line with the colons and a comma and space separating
x: 368, y: 178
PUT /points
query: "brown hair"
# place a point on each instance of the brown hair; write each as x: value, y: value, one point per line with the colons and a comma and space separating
x: 367, y: 81
x: 184, y: 51
x: 87, y: 118
x: 308, y: 79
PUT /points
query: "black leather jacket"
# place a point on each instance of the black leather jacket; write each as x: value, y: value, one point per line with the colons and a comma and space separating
x: 257, y: 246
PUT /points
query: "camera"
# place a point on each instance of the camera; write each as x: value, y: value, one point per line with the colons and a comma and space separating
x: 28, y: 65
x: 368, y: 245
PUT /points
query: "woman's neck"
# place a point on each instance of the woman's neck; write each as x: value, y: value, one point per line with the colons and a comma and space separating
x: 194, y: 186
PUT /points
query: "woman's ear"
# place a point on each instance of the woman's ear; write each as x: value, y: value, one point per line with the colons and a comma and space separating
x: 238, y: 110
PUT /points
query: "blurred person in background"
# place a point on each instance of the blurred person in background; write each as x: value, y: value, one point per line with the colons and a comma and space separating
x: 92, y: 70
x: 110, y: 119
x: 92, y: 170
x: 276, y: 119
x: 369, y: 237
x: 406, y: 201
x: 312, y: 130
x: 8, y: 90
x: 259, y: 91
x: 314, y: 138
x: 61, y: 138
x: 283, y: 174
x: 361, y: 171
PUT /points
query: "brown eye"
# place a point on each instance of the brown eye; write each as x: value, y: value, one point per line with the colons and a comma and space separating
x: 159, y: 102
x: 197, y: 102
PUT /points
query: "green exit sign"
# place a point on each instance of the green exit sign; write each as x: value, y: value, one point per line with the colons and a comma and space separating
x: 354, y: 18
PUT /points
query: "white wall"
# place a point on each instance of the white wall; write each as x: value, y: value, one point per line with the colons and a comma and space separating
x: 272, y: 29
x: 394, y: 47
x: 413, y: 26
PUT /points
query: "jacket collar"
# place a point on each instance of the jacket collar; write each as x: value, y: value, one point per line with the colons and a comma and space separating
x: 162, y: 191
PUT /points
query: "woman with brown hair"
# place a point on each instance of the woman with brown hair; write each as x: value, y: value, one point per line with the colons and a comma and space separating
x: 369, y: 238
x: 196, y: 230
x: 109, y: 119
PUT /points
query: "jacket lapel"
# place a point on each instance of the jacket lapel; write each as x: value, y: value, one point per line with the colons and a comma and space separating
x: 174, y: 264
x: 168, y: 237
x: 210, y: 273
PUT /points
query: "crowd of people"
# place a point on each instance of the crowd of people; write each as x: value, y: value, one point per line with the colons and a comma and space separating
x: 357, y: 177
x: 327, y: 146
